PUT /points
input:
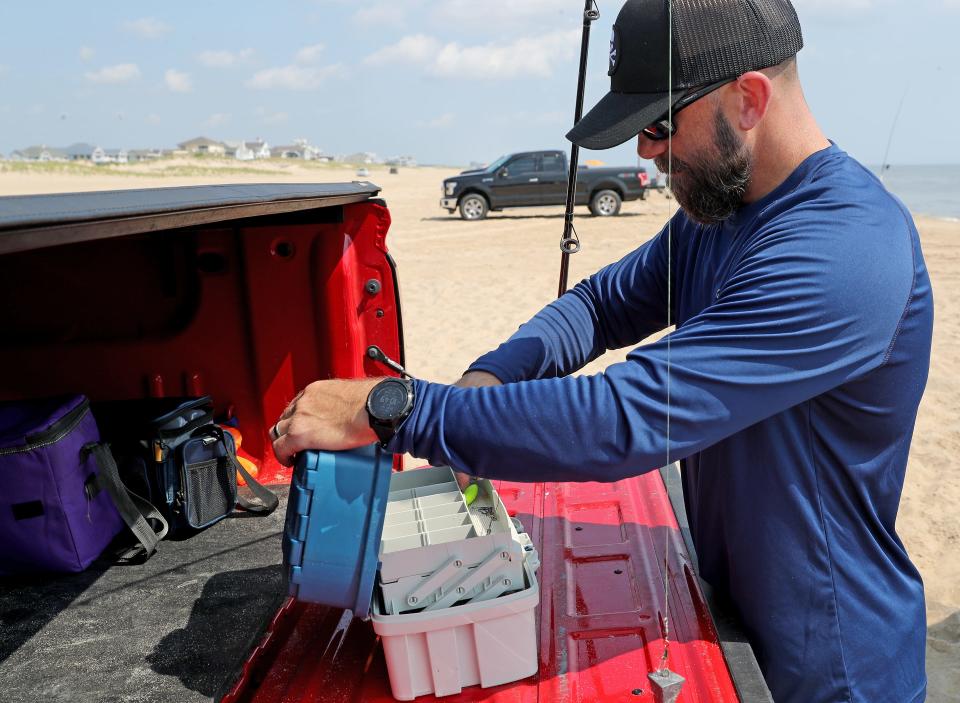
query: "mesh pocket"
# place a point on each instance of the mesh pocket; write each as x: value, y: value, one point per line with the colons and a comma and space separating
x: 211, y: 491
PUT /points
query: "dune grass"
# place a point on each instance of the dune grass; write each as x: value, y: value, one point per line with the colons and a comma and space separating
x: 183, y: 167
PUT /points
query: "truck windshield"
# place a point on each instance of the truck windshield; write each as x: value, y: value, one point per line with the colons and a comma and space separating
x: 497, y: 164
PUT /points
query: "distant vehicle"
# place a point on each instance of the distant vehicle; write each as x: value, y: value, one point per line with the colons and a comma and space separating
x: 363, y: 172
x: 531, y: 178
x: 658, y: 182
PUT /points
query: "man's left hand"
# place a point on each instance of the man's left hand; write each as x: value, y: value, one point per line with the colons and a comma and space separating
x: 329, y: 415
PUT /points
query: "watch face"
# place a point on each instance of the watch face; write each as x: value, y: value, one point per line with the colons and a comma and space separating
x: 389, y: 400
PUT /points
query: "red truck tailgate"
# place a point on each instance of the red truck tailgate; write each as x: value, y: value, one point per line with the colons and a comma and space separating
x: 601, y: 615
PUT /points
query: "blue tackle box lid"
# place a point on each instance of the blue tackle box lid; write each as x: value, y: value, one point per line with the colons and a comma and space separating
x: 331, y: 535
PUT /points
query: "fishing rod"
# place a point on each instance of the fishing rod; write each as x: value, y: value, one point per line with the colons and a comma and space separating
x: 884, y: 165
x: 570, y: 243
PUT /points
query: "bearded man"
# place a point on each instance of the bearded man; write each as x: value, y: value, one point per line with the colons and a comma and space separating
x: 789, y: 388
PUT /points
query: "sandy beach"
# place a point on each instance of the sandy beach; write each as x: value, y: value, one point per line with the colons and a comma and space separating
x: 465, y: 286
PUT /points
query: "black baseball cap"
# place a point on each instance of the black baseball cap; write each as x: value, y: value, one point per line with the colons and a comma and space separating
x: 713, y: 40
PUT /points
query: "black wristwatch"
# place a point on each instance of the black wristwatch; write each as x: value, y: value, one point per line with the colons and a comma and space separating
x: 388, y: 404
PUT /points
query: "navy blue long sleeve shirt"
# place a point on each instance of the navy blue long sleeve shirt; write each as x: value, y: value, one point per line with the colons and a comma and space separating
x: 801, y: 351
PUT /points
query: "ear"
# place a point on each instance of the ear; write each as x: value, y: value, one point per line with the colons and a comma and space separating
x: 754, y: 89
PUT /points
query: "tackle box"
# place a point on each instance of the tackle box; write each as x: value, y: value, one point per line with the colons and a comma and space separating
x: 450, y: 588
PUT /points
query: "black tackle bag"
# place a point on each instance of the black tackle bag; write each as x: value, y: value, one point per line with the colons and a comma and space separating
x: 170, y: 451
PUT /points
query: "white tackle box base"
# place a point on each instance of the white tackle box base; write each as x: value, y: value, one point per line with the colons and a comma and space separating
x: 488, y: 642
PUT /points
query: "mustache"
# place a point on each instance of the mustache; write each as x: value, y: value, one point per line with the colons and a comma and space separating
x: 666, y: 166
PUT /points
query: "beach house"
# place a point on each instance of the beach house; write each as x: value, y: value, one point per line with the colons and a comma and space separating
x: 300, y: 149
x: 202, y: 145
x: 39, y: 153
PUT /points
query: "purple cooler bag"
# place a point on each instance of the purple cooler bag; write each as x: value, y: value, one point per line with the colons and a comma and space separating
x: 54, y: 515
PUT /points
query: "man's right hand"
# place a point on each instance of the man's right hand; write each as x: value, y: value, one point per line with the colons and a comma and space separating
x: 474, y: 379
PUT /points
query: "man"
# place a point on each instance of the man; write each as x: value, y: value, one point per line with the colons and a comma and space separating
x: 789, y: 389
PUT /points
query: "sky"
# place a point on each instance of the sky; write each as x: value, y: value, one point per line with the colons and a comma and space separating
x: 449, y: 82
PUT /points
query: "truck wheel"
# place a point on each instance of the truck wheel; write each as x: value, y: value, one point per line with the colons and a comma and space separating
x: 473, y: 207
x: 605, y: 203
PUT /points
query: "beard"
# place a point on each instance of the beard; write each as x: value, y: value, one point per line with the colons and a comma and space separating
x: 711, y: 190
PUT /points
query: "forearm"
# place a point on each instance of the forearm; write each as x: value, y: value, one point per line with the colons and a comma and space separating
x: 558, y: 340
x: 617, y: 307
x: 567, y: 429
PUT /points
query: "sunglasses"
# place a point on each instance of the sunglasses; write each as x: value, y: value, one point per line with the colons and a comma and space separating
x: 664, y: 128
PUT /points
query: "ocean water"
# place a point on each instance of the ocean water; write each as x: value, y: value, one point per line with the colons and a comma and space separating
x: 926, y: 190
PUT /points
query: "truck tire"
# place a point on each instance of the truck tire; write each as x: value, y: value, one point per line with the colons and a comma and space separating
x: 605, y: 203
x: 473, y: 206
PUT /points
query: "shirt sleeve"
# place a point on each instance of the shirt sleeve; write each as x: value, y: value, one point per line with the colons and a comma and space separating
x: 805, y: 309
x: 617, y: 307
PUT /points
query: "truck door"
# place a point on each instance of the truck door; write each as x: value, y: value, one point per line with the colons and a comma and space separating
x: 553, y: 179
x: 516, y: 183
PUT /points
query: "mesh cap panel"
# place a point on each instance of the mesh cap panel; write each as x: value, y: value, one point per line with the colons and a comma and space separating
x: 719, y: 39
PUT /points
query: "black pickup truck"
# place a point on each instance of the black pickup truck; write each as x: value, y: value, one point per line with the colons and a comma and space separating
x: 530, y: 178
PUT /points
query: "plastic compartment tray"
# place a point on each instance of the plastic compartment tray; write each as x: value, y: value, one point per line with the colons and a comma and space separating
x: 332, y: 530
x: 489, y: 642
x: 436, y: 551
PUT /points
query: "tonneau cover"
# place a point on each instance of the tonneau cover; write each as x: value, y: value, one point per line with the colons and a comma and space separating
x: 36, y: 221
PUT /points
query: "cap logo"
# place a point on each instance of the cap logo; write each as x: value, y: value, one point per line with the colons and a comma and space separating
x: 614, y: 51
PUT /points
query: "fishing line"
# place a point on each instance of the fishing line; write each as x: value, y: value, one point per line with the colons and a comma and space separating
x: 570, y: 244
x: 666, y: 550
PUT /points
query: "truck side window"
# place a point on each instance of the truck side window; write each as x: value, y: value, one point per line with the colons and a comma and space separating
x: 526, y: 164
x: 552, y: 163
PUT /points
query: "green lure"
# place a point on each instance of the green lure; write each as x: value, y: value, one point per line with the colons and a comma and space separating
x: 470, y: 493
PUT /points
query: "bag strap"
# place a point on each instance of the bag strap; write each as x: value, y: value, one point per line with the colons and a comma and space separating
x: 268, y: 500
x: 135, y: 510
x: 200, y: 421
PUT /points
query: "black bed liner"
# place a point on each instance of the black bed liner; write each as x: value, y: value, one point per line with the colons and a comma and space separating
x: 175, y: 629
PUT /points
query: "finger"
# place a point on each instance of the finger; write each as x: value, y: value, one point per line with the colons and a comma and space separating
x: 463, y: 480
x: 285, y: 449
x: 279, y: 428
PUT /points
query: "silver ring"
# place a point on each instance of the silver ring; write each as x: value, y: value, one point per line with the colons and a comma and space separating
x: 275, y: 431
